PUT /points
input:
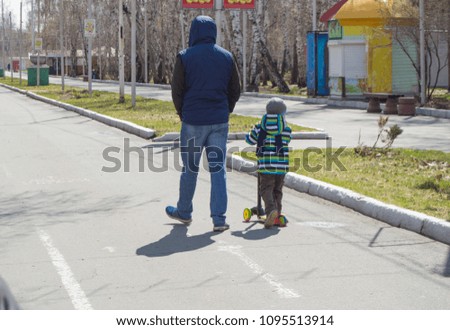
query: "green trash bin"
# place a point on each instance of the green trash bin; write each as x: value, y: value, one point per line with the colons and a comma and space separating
x: 43, y: 76
x: 2, y: 73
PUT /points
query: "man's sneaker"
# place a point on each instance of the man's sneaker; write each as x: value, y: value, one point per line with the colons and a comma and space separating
x: 172, y: 213
x: 221, y: 228
x: 270, y: 220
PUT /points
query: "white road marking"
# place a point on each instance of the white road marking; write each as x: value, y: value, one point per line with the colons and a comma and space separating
x: 258, y: 270
x: 73, y: 288
x: 109, y: 249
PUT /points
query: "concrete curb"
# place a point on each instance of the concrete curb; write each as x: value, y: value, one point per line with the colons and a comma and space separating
x: 168, y: 137
x: 174, y: 136
x: 395, y: 216
x: 145, y: 133
x: 433, y: 112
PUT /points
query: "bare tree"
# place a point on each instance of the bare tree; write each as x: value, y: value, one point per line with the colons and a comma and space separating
x: 266, y: 55
x: 405, y: 31
x: 276, y: 47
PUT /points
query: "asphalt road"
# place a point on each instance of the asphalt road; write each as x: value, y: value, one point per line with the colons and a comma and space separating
x: 75, y: 236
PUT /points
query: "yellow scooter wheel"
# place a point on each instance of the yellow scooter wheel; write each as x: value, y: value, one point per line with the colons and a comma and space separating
x: 247, y: 215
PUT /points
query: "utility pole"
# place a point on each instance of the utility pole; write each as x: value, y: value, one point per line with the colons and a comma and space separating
x: 38, y: 75
x: 33, y: 35
x: 314, y: 18
x: 39, y: 17
x: 90, y: 52
x: 121, y: 57
x: 183, y: 38
x: 244, y: 51
x: 10, y: 49
x: 423, y: 82
x: 133, y: 53
x: 20, y: 46
x: 99, y: 57
x: 3, y: 41
x: 219, y: 7
x: 61, y: 41
x: 145, y: 42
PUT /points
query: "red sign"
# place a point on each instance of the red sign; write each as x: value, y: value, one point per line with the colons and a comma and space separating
x: 239, y: 4
x: 203, y: 4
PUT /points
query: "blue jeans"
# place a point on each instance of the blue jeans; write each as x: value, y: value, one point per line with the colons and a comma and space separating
x: 194, y: 139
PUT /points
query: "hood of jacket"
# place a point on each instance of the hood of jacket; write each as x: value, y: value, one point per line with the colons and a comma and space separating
x: 203, y: 31
x: 273, y: 124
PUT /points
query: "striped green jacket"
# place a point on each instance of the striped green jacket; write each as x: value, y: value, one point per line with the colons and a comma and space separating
x: 274, y: 137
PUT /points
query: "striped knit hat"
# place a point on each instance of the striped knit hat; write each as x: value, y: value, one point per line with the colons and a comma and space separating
x: 276, y: 106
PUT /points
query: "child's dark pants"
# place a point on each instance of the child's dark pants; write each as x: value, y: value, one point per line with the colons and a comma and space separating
x: 271, y: 190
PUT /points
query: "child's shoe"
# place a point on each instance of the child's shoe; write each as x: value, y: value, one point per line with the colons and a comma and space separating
x: 281, y: 221
x: 270, y: 220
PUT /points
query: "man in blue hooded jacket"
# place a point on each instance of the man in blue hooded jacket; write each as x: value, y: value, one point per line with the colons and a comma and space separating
x: 205, y: 90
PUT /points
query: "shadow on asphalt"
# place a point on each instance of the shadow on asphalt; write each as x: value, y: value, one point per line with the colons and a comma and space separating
x: 176, y: 241
x: 45, y: 208
x: 446, y: 272
x: 256, y: 234
x: 440, y: 269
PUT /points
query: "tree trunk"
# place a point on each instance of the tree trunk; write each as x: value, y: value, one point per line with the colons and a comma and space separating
x: 448, y: 44
x: 73, y: 53
x: 254, y: 67
x: 266, y: 56
x: 285, y: 54
x: 236, y: 36
x: 271, y: 66
x: 294, y: 72
x: 300, y: 8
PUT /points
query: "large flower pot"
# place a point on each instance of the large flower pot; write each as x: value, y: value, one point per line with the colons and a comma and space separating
x: 407, y: 106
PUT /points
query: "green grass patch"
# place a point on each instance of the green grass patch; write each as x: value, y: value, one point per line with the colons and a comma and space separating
x: 413, y: 179
x: 150, y: 113
x: 440, y: 99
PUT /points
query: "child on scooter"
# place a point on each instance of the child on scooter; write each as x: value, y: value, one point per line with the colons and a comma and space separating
x: 272, y: 137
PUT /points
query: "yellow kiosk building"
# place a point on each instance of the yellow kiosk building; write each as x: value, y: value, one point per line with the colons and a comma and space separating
x: 365, y: 54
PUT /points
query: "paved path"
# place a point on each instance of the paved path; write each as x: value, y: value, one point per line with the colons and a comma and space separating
x: 74, y: 236
x: 347, y: 127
